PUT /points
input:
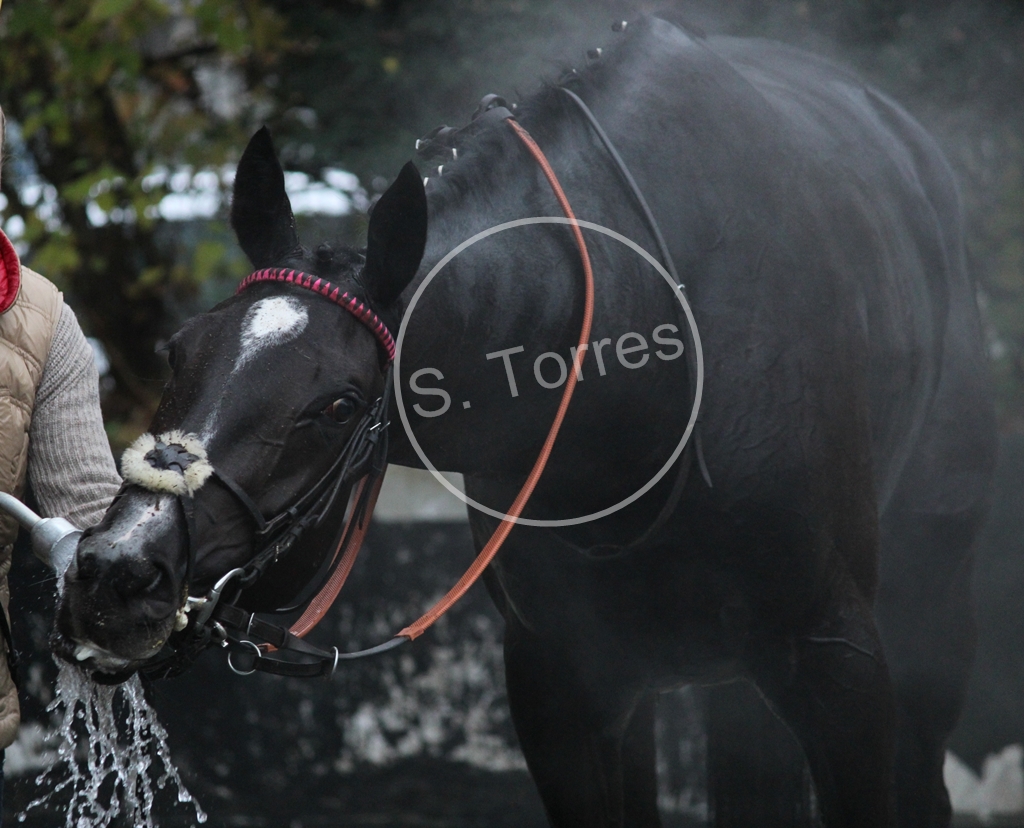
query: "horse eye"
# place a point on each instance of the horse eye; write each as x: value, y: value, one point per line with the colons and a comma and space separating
x: 341, y: 410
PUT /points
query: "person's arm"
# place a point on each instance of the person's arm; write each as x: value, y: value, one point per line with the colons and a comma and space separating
x: 70, y: 468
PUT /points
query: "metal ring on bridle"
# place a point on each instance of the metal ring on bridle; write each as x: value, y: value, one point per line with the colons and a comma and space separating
x: 255, y: 650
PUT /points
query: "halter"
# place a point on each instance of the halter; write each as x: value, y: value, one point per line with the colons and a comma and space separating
x: 214, y: 620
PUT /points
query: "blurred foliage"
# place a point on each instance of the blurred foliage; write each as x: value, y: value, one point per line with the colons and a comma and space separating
x: 106, y: 96
x: 110, y: 94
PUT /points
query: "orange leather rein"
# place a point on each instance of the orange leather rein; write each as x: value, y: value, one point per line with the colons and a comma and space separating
x: 352, y: 537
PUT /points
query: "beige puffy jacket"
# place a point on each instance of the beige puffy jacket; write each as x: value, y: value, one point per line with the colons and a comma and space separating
x: 51, y: 429
x: 26, y: 331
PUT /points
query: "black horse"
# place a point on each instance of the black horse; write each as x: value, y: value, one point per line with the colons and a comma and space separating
x: 846, y: 421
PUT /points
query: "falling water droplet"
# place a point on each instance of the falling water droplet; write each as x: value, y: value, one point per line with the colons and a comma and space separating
x: 123, y: 740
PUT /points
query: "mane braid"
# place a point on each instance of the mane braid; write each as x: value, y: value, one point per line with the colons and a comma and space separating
x: 485, y: 158
x: 353, y: 304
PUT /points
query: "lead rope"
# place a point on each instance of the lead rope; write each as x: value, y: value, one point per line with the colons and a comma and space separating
x: 352, y: 540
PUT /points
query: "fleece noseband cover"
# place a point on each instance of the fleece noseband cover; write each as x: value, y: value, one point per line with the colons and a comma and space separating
x: 171, y: 463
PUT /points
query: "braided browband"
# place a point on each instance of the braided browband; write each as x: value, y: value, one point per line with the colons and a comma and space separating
x: 352, y: 304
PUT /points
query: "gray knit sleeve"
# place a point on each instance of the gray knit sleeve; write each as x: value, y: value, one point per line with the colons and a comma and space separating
x: 70, y: 468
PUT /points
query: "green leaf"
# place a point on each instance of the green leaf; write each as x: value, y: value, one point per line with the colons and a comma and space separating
x: 78, y: 190
x: 57, y: 259
x: 106, y: 9
x: 207, y: 260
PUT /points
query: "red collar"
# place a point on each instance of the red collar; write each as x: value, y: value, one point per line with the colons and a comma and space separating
x: 10, y: 273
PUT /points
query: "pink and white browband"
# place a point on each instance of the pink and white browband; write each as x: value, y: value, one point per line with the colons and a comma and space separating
x: 352, y: 304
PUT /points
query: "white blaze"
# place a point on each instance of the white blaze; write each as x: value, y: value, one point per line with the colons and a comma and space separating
x: 270, y: 322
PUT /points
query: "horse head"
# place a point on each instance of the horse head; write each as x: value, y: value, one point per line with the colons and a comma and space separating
x: 269, y: 392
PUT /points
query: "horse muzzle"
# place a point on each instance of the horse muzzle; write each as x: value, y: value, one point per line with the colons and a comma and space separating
x: 104, y: 667
x: 123, y: 588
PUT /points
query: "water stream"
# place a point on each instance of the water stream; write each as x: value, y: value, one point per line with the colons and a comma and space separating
x: 113, y: 755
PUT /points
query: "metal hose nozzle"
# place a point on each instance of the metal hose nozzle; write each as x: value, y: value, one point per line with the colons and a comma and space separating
x: 54, y: 540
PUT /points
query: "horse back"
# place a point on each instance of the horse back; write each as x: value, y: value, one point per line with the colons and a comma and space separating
x: 823, y: 244
x: 898, y: 230
x: 819, y: 230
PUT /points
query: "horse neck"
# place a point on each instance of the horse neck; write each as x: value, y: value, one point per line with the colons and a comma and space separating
x: 518, y: 288
x: 490, y: 297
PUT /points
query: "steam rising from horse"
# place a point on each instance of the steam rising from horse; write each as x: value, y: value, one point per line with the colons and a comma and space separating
x: 846, y: 423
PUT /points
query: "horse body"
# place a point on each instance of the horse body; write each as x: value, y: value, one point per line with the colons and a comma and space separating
x: 845, y: 414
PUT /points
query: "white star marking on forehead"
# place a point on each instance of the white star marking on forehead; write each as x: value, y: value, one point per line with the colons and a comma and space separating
x: 268, y: 323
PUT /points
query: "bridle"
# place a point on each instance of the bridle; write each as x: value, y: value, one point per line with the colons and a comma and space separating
x: 215, y: 619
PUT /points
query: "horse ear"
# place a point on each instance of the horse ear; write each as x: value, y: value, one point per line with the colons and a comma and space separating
x: 397, y: 237
x: 261, y: 214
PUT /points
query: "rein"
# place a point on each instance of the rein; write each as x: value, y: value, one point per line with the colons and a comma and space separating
x: 221, y: 622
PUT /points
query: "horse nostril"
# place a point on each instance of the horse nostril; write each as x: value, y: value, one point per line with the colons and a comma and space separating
x: 136, y: 579
x: 87, y: 567
x: 154, y: 582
